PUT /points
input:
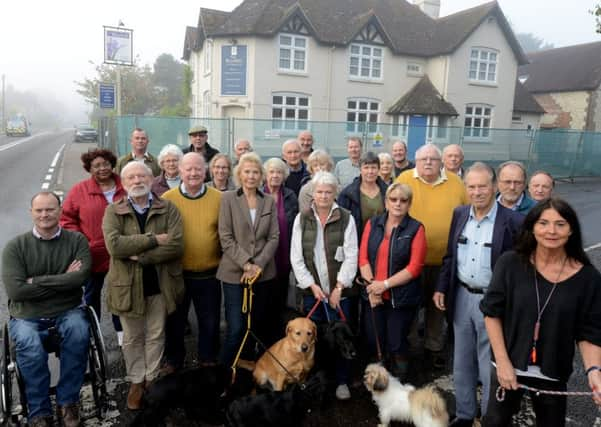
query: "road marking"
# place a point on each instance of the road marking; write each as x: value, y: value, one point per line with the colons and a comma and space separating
x: 590, y: 248
x: 21, y: 141
x: 48, y: 178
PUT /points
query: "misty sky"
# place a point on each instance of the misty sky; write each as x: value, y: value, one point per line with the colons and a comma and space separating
x: 46, y: 45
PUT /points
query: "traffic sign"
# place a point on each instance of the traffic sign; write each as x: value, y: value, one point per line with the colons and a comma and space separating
x: 106, y: 95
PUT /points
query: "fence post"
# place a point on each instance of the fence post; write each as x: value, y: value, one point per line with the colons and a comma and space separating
x: 578, y: 149
x: 530, y: 149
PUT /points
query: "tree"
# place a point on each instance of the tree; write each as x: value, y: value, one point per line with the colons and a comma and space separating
x: 597, y: 12
x: 531, y: 43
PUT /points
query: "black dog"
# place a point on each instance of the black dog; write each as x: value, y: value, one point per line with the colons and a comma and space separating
x: 197, y: 391
x: 277, y: 408
x: 334, y: 340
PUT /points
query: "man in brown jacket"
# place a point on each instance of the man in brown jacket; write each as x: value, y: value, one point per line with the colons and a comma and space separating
x: 144, y: 236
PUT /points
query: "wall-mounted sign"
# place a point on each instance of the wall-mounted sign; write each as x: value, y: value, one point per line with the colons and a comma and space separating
x: 106, y: 95
x: 118, y: 46
x: 233, y: 70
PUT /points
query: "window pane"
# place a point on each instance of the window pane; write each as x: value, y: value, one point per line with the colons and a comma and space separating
x: 299, y: 55
x: 481, y: 75
x: 303, y: 114
x: 477, y: 122
x: 350, y: 117
x: 468, y: 122
x: 290, y: 100
x: 285, y: 40
x: 354, y: 61
x: 366, y: 50
x: 303, y: 101
x: 373, y: 118
x: 468, y: 110
x: 487, y: 111
x: 364, y: 72
x: 376, y: 63
x: 373, y: 106
x: 363, y: 105
x: 486, y: 123
x: 276, y: 113
x: 278, y: 99
x: 299, y: 42
x: 474, y: 53
x: 361, y: 117
x: 472, y: 75
x: 284, y: 53
x: 285, y: 64
x: 365, y: 62
x: 475, y: 131
x: 492, y: 57
x: 355, y: 49
x: 492, y: 68
x: 354, y: 71
x: 484, y: 55
x: 478, y: 111
x: 290, y: 113
x: 299, y: 65
x: 352, y: 105
x: 375, y: 73
x: 377, y: 52
x: 473, y: 65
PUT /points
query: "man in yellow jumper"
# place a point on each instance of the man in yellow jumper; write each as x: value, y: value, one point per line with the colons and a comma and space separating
x: 435, y: 195
x: 198, y: 205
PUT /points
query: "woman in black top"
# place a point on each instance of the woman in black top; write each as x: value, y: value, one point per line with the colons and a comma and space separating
x: 543, y: 297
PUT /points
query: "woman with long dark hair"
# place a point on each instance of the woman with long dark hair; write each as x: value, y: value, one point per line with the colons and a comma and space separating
x: 543, y: 298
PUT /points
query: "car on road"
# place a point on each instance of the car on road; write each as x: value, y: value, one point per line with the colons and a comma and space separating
x: 17, y: 126
x: 86, y: 133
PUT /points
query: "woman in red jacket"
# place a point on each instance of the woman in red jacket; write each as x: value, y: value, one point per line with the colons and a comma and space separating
x: 83, y: 210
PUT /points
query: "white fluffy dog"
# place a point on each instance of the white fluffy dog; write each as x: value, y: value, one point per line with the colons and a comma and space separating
x: 397, y: 402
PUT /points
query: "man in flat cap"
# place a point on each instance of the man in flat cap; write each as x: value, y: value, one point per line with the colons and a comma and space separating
x: 199, y: 137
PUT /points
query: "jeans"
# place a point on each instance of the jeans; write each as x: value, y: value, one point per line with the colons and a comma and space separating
x: 434, y: 319
x: 93, y: 295
x: 550, y: 410
x: 237, y: 321
x: 32, y: 359
x: 325, y: 313
x: 206, y: 296
x: 392, y: 326
x: 471, y: 357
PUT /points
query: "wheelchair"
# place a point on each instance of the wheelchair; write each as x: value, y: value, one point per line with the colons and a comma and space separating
x: 13, y: 403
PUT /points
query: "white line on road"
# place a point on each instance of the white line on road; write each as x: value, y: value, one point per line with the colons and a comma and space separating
x: 56, y: 156
x: 21, y: 141
x: 51, y: 170
x: 590, y: 248
x: 48, y: 177
x: 45, y: 186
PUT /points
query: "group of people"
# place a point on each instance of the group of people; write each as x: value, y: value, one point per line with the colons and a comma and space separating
x: 372, y: 240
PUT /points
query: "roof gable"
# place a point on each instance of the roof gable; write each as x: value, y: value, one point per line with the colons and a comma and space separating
x: 423, y: 98
x: 565, y: 69
x: 402, y: 26
x: 524, y: 102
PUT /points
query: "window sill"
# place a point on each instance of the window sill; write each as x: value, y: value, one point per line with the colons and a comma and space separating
x: 369, y: 81
x: 482, y: 83
x: 478, y: 139
x: 293, y: 73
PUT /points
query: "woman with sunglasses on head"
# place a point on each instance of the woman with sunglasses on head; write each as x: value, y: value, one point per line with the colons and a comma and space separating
x: 391, y: 257
x: 544, y: 297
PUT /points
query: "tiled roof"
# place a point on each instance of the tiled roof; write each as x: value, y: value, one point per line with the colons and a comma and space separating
x: 423, y: 98
x: 524, y: 102
x: 407, y: 30
x: 565, y: 69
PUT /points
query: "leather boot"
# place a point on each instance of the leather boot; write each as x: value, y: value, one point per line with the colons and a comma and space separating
x: 68, y: 415
x: 134, y: 397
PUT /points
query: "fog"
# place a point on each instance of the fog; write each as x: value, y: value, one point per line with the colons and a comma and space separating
x: 46, y: 46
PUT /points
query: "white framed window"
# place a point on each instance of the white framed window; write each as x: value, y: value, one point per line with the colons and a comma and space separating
x: 415, y: 69
x: 289, y: 111
x: 399, y: 125
x: 362, y: 115
x: 483, y: 65
x: 206, y: 104
x: 478, y: 120
x: 208, y: 56
x: 292, y: 56
x: 366, y: 62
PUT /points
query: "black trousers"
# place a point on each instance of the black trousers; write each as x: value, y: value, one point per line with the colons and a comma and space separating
x: 550, y: 410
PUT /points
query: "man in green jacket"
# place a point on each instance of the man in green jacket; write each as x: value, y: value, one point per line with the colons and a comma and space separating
x: 44, y: 271
x: 144, y: 236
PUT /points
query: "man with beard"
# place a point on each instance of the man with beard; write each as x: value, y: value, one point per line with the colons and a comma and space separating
x: 144, y: 236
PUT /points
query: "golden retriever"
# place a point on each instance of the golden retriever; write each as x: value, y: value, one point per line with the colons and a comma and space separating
x: 295, y: 351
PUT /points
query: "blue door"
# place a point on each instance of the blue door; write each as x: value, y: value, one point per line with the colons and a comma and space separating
x: 417, y: 134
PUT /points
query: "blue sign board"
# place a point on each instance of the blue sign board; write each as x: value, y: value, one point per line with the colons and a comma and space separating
x: 233, y: 70
x: 106, y: 95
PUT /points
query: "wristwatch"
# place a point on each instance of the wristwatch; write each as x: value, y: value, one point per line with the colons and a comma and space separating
x: 386, y: 284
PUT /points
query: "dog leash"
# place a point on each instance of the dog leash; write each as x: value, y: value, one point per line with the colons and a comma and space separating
x: 362, y: 282
x: 500, y: 394
x: 276, y: 360
x: 317, y: 301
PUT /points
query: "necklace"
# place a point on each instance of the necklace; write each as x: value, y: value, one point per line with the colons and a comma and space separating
x: 540, y: 310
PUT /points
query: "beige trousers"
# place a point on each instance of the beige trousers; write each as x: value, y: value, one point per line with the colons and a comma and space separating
x: 144, y: 341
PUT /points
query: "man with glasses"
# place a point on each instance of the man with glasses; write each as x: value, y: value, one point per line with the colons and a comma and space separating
x: 480, y: 233
x: 199, y: 143
x: 435, y: 195
x: 512, y: 187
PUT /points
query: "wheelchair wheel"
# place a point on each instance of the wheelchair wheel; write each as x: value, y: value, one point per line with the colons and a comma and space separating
x: 5, y: 378
x: 97, y: 365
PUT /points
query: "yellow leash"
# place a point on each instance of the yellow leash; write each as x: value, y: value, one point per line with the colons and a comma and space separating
x: 247, y: 304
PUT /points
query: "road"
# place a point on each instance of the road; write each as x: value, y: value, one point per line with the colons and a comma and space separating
x: 27, y: 164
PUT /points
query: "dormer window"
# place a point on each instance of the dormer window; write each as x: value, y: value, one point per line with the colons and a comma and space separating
x: 366, y: 61
x: 292, y: 53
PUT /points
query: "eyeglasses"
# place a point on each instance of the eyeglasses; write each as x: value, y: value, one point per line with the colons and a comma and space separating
x: 428, y: 159
x: 397, y: 199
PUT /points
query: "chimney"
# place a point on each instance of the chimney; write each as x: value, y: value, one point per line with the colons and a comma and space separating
x: 429, y: 7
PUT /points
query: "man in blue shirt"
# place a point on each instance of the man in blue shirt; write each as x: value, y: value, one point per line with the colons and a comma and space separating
x: 479, y: 233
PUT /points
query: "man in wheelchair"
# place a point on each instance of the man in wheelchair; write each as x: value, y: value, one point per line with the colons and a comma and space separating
x: 43, y: 271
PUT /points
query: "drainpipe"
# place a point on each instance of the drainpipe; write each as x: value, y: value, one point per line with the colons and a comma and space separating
x: 329, y: 82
